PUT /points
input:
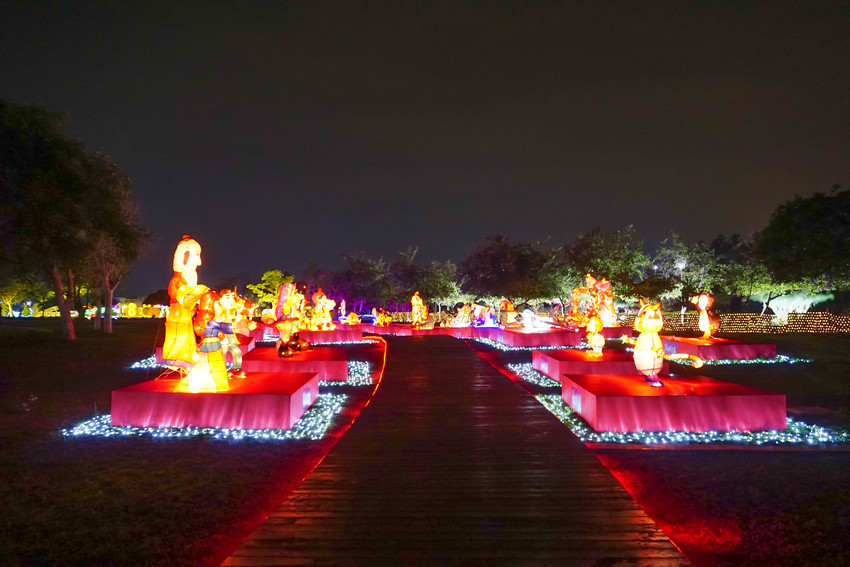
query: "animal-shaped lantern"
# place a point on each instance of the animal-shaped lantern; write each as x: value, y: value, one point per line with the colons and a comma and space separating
x: 293, y: 345
x: 649, y: 349
x: 709, y: 322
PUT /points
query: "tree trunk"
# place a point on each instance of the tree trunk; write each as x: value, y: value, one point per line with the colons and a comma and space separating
x: 96, y: 325
x: 109, y: 291
x: 64, y: 302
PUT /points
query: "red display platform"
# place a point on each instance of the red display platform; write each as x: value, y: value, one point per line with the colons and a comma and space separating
x: 717, y: 348
x: 261, y: 401
x: 331, y: 363
x: 525, y: 338
x: 244, y: 348
x: 621, y: 403
x: 554, y: 363
x: 343, y: 333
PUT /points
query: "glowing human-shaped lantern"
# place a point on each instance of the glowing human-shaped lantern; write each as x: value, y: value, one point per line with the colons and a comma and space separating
x: 418, y: 310
x: 709, y: 322
x: 594, y: 337
x: 179, y: 349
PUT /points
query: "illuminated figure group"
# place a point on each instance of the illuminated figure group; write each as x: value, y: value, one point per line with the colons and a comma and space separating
x: 212, y: 316
x: 418, y: 311
x: 483, y: 316
x: 381, y: 317
x: 511, y: 316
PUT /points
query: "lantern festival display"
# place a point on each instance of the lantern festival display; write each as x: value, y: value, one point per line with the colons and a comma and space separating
x: 511, y: 316
x: 381, y: 317
x: 709, y: 321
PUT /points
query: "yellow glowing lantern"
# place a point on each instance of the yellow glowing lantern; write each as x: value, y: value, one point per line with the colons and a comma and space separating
x: 594, y: 338
x: 179, y: 348
x: 418, y: 310
x: 649, y: 350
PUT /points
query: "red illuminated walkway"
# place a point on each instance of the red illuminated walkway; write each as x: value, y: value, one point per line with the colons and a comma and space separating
x: 452, y: 463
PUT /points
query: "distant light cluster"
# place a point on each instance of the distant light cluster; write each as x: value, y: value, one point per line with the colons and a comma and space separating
x: 313, y: 425
x: 798, y: 433
x: 780, y: 359
x: 148, y: 363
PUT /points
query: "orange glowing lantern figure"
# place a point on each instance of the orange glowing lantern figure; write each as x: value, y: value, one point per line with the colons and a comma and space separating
x: 179, y: 349
x: 210, y: 371
x: 649, y: 350
x: 511, y: 315
x: 594, y: 337
x: 418, y: 311
x: 351, y: 319
x: 322, y: 308
x: 709, y: 322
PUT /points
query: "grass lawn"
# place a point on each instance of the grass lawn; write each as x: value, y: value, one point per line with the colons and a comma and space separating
x: 129, y: 501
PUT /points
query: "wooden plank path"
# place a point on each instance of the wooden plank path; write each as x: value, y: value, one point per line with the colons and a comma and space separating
x: 454, y: 464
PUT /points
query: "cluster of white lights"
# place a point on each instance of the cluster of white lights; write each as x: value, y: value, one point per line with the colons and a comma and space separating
x: 506, y: 348
x: 313, y: 425
x: 780, y: 359
x: 527, y: 372
x: 797, y: 433
x: 359, y: 374
x: 148, y: 363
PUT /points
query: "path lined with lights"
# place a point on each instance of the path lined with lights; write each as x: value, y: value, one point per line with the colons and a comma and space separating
x: 454, y: 463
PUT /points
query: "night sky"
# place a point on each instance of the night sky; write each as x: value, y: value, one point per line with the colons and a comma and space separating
x: 279, y: 133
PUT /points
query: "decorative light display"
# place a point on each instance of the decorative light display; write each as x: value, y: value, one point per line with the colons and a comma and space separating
x: 797, y: 433
x: 179, y: 348
x: 313, y: 425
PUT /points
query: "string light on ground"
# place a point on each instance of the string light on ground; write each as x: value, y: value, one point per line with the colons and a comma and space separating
x: 499, y: 346
x: 798, y: 433
x: 359, y: 374
x: 313, y: 425
x: 527, y: 372
x: 780, y: 359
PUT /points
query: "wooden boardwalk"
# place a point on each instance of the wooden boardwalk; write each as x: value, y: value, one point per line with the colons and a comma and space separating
x: 454, y: 464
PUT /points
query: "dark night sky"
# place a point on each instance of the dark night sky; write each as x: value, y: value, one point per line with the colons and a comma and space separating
x: 277, y: 133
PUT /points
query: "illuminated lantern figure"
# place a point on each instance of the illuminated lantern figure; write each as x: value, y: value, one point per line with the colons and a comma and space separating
x: 649, y: 350
x: 351, y: 319
x: 286, y: 313
x: 210, y: 372
x: 510, y: 311
x: 709, y: 322
x: 604, y: 303
x: 322, y: 308
x: 179, y: 349
x: 418, y: 311
x: 594, y: 338
x: 342, y: 308
x: 226, y: 316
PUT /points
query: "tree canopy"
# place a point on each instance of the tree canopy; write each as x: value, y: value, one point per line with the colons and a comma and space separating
x: 63, y: 209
